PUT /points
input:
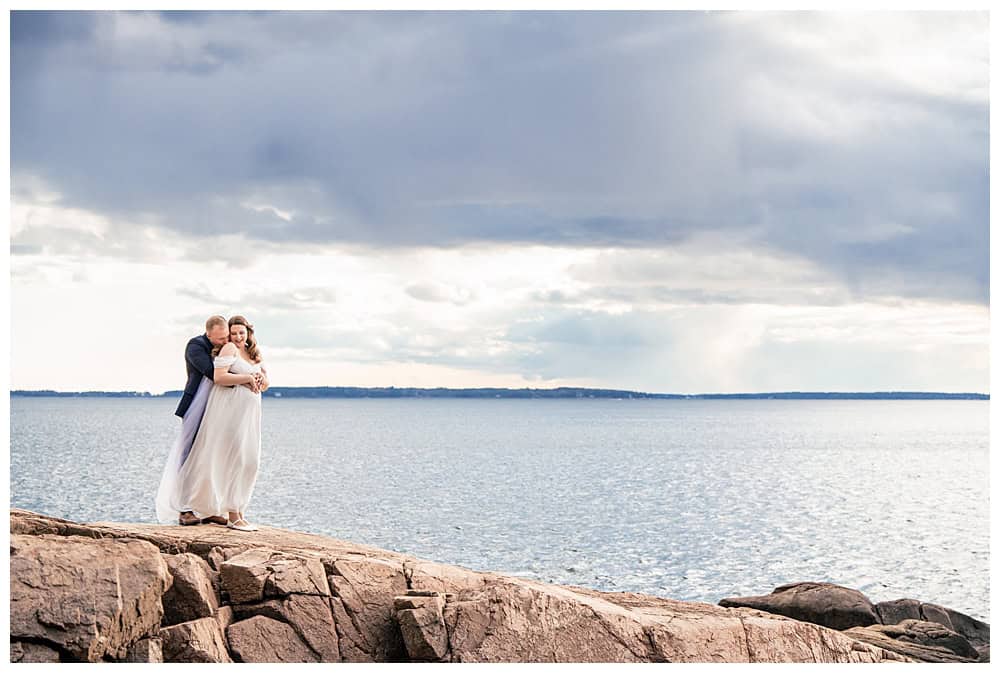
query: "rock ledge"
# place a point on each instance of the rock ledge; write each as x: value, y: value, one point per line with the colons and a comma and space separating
x: 149, y: 593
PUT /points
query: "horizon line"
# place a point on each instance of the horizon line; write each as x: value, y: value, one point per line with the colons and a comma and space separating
x: 168, y: 393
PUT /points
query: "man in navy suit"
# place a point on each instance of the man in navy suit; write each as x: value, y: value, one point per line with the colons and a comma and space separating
x: 198, y: 358
x: 199, y: 361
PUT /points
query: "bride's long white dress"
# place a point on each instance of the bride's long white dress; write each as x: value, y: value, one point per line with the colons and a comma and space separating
x: 220, y: 471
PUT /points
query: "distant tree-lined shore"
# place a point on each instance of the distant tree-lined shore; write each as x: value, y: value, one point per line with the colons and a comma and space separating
x: 344, y: 392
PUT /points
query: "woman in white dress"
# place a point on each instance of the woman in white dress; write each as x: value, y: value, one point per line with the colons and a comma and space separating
x: 218, y: 476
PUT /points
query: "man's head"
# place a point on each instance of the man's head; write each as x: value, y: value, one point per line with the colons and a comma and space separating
x: 217, y: 330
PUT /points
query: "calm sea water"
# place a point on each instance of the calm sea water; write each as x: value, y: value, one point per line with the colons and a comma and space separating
x: 689, y: 499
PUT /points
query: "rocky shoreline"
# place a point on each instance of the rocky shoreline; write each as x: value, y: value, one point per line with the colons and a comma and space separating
x: 149, y: 593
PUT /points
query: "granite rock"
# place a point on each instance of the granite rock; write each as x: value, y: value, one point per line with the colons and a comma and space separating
x: 973, y: 630
x: 519, y: 620
x: 309, y: 616
x: 261, y: 639
x: 88, y: 598
x: 197, y: 641
x: 225, y: 616
x: 146, y: 651
x: 289, y: 596
x: 258, y: 573
x: 829, y: 605
x: 421, y: 622
x: 919, y: 640
x: 365, y: 588
x: 32, y: 653
x: 192, y: 594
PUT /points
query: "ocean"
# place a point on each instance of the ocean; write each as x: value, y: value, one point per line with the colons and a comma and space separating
x: 694, y: 500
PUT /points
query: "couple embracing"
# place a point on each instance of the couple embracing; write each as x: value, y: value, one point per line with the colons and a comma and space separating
x: 212, y: 467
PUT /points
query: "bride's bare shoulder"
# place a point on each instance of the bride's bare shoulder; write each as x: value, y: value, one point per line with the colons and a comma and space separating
x: 228, y: 349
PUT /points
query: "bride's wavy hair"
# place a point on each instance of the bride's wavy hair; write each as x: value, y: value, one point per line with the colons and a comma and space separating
x: 252, y: 349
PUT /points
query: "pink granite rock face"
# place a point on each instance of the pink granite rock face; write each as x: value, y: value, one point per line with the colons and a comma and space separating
x: 88, y: 598
x: 258, y: 573
x: 146, y: 651
x: 32, y: 653
x: 309, y: 616
x: 243, y: 576
x: 192, y: 594
x: 421, y: 622
x: 519, y: 620
x: 294, y: 597
x: 197, y: 641
x: 365, y: 589
x: 264, y: 640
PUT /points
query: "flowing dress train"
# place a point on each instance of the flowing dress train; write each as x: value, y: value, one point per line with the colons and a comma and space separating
x: 168, y: 504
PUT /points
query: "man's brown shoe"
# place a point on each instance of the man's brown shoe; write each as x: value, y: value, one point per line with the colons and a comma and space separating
x: 215, y: 519
x: 188, y: 519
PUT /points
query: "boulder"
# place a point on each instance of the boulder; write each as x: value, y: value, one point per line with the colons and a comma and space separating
x: 89, y: 598
x: 258, y: 573
x: 923, y: 641
x: 365, y: 589
x: 421, y: 622
x: 893, y: 612
x: 32, y: 653
x: 192, y: 595
x: 243, y: 576
x: 261, y: 639
x: 309, y: 616
x: 146, y: 651
x: 829, y: 605
x: 973, y: 630
x: 292, y: 574
x: 197, y: 641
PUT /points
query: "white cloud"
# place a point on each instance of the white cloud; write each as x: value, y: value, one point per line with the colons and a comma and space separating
x: 942, y: 54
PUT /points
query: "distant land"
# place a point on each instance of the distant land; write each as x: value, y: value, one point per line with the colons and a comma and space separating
x: 527, y: 393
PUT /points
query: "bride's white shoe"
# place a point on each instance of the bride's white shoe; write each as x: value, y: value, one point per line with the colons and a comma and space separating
x: 241, y: 524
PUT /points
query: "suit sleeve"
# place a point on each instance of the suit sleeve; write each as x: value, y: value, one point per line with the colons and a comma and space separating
x: 199, y: 359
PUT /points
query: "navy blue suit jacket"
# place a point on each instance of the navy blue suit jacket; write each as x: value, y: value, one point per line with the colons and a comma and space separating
x: 198, y: 358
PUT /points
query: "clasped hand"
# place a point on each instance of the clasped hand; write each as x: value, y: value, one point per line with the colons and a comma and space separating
x: 257, y: 383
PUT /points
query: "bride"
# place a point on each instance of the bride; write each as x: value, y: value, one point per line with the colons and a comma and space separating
x: 217, y: 477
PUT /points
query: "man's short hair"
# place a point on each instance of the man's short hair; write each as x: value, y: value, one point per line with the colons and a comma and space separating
x: 214, y: 321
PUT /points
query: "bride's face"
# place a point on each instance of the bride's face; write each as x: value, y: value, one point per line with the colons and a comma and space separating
x: 238, y: 335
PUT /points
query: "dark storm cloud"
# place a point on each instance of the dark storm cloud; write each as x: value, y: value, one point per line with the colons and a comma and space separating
x: 582, y: 129
x: 47, y: 28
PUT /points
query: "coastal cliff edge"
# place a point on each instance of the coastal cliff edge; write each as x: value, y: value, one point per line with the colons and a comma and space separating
x: 146, y: 593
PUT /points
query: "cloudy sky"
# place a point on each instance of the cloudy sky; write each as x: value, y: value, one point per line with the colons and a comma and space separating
x: 667, y: 202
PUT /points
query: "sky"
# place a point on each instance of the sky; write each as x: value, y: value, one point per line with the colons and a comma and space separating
x: 656, y: 201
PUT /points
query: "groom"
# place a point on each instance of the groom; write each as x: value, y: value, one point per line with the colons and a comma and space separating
x: 198, y: 358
